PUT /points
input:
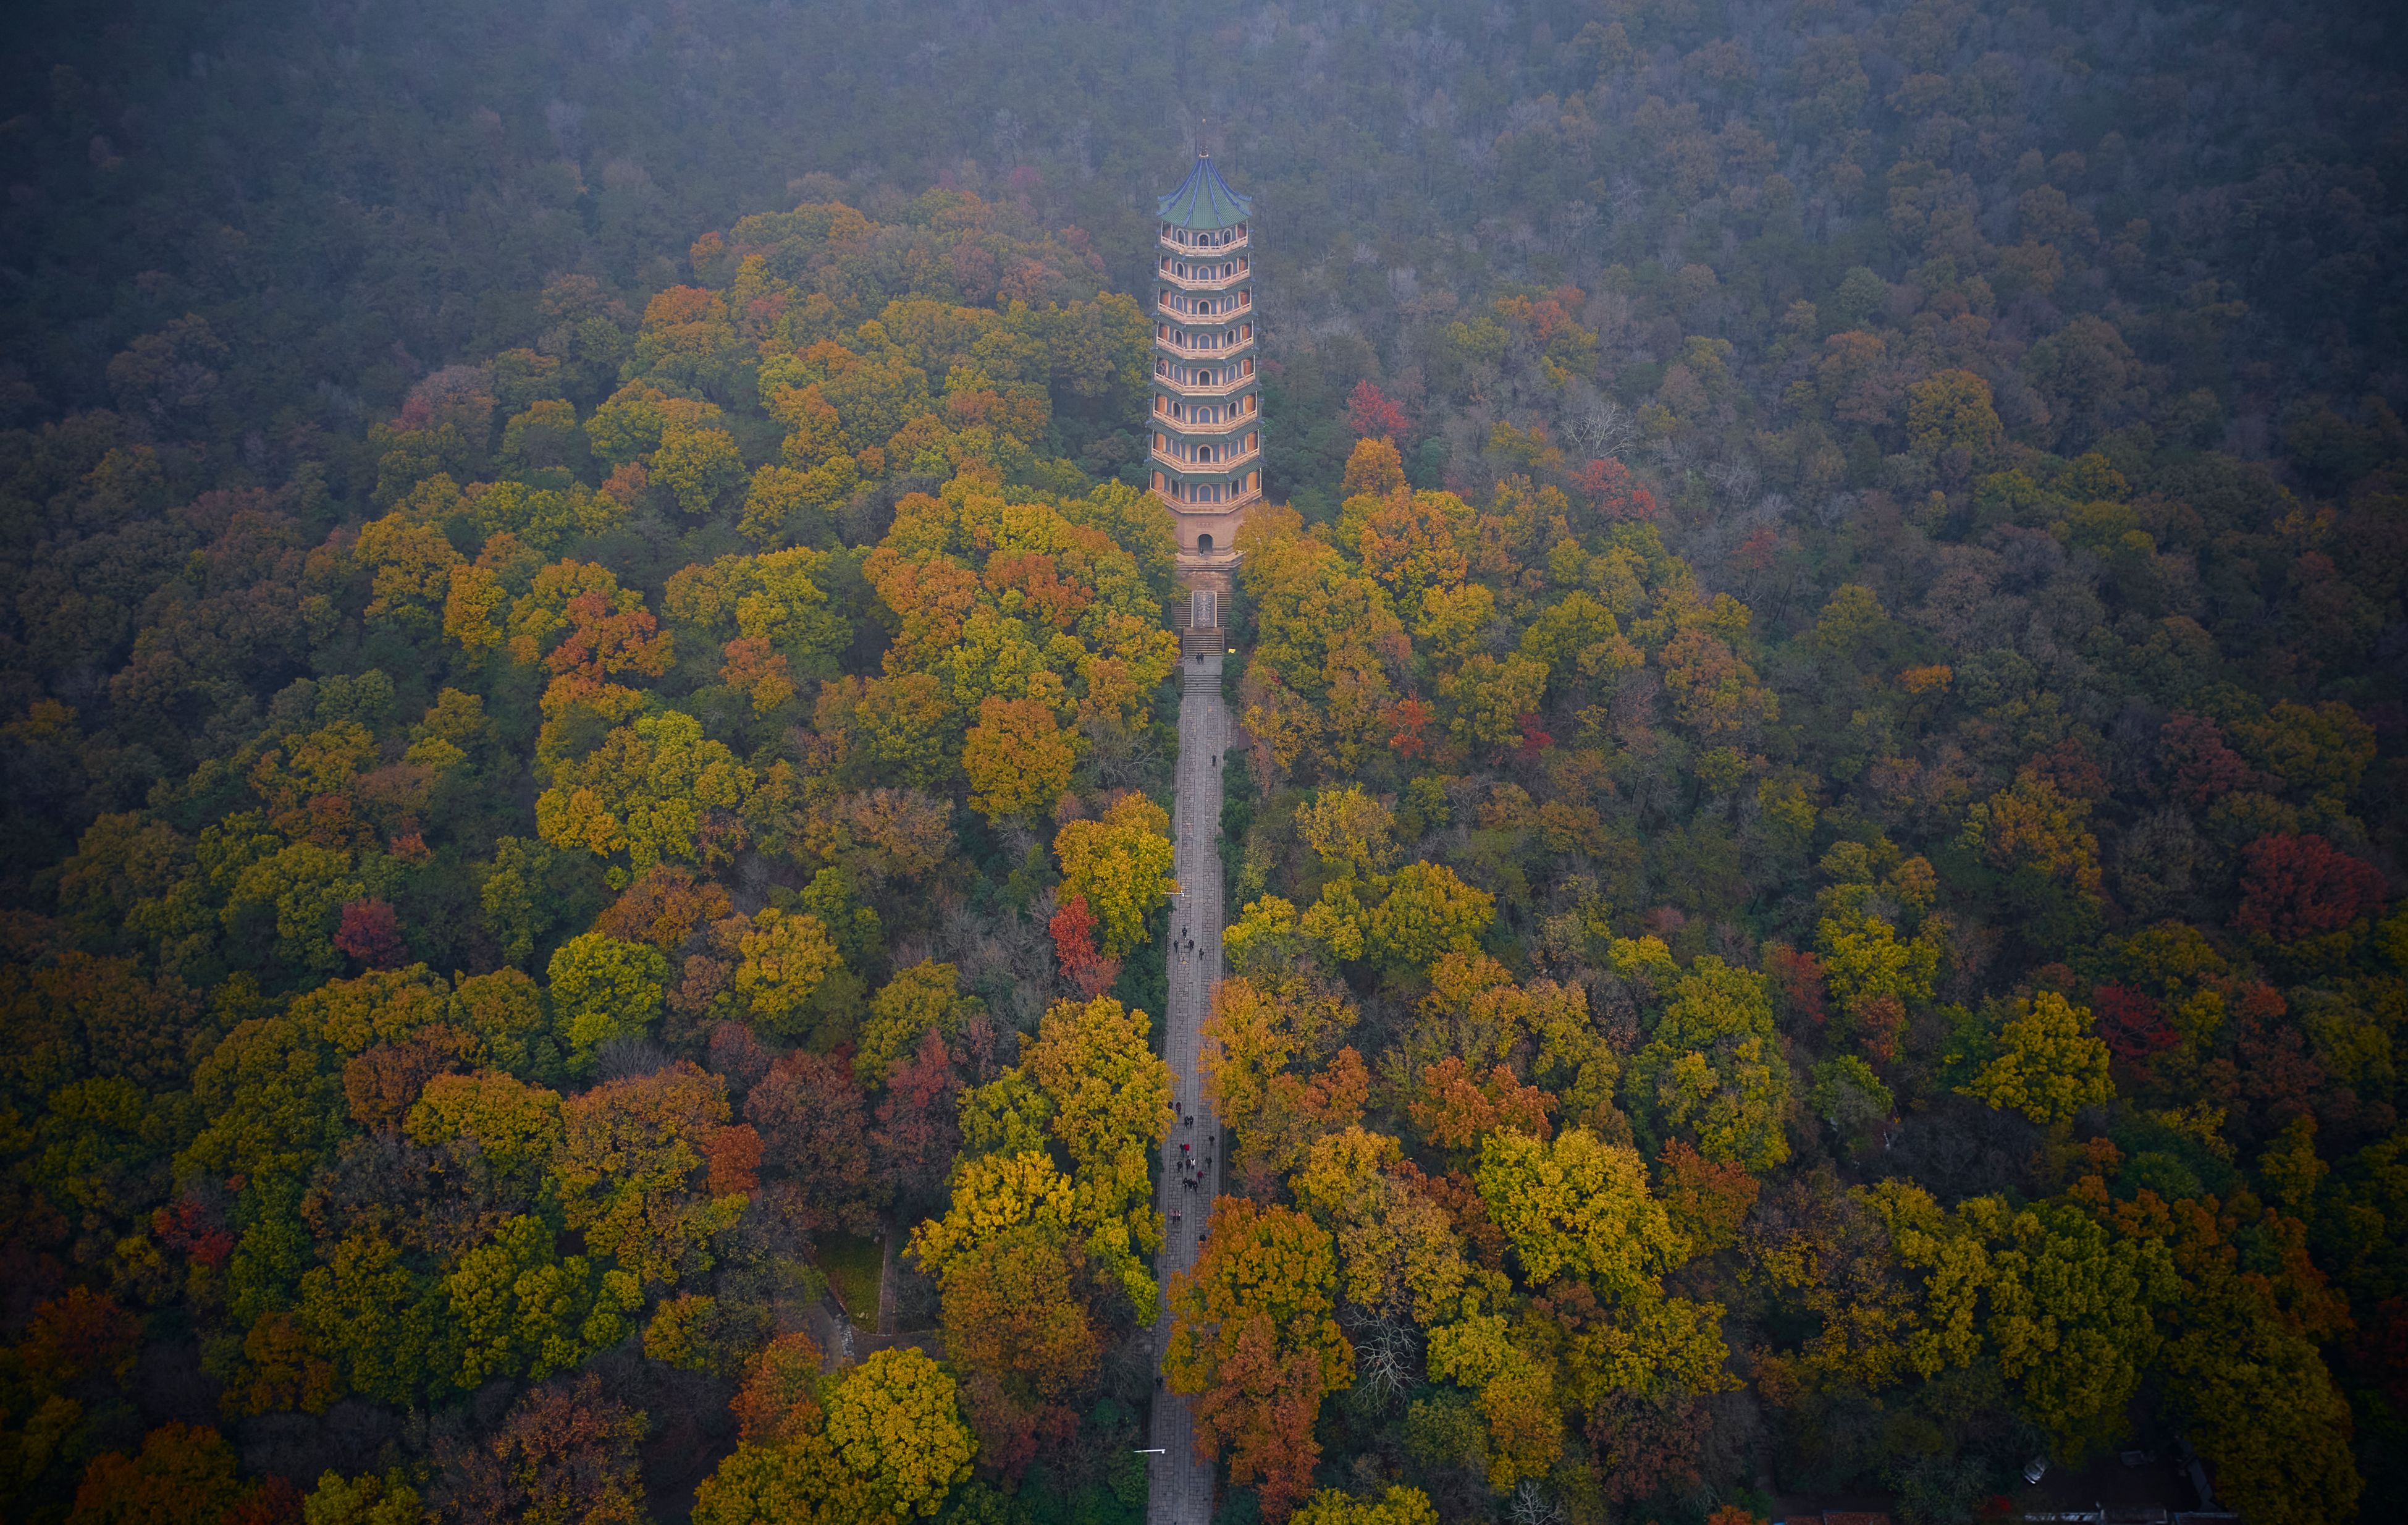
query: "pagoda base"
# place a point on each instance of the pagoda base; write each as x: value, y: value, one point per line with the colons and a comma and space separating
x: 1208, y: 533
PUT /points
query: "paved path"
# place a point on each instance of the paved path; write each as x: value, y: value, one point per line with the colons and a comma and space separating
x: 1182, y: 1484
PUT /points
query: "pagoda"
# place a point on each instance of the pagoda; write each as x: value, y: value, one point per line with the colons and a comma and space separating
x: 1207, y: 426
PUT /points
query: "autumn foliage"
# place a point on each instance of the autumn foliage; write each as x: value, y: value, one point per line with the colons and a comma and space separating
x: 1811, y: 820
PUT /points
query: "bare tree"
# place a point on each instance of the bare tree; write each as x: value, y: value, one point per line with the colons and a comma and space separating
x: 1388, y: 1359
x: 1531, y: 1505
x: 1599, y: 425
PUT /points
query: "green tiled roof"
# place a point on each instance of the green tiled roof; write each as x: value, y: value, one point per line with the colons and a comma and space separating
x: 1204, y: 200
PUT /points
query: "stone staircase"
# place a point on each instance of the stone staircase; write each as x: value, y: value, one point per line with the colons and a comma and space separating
x: 1201, y: 619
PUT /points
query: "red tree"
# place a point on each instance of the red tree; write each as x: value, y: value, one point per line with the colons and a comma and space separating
x: 382, y: 1084
x: 1608, y: 487
x: 779, y: 1399
x: 735, y: 1160
x: 815, y: 1134
x: 1455, y: 1106
x: 190, y: 1227
x: 2296, y: 887
x: 185, y: 1475
x: 371, y: 933
x: 76, y: 1335
x: 2198, y: 766
x: 1074, y: 949
x: 2132, y: 1022
x: 1799, y: 978
x: 917, y: 1133
x: 271, y: 1501
x: 565, y: 1452
x: 1534, y: 739
x: 1372, y: 413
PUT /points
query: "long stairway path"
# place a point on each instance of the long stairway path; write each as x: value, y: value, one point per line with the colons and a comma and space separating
x: 1181, y: 1483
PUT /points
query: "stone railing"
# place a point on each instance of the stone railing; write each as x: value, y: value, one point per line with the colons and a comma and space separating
x: 1164, y: 273
x: 1238, y: 457
x: 1227, y: 426
x: 1165, y: 304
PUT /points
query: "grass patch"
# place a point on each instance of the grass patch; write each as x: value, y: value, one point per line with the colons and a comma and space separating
x: 852, y: 1267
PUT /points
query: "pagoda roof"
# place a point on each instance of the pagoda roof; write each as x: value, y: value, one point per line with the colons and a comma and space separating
x: 1204, y: 200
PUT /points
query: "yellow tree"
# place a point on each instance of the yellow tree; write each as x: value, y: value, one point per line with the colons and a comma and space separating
x: 1409, y: 542
x: 1019, y: 1330
x: 2040, y: 839
x: 1428, y: 911
x: 1395, y: 1243
x: 654, y: 789
x: 1254, y: 1340
x: 1398, y: 1506
x: 517, y: 1126
x: 887, y: 1444
x: 1578, y: 1207
x: 993, y: 1195
x: 1515, y: 1393
x: 631, y: 1151
x: 1348, y: 829
x: 1373, y: 466
x: 1257, y: 1030
x: 787, y: 956
x: 1952, y: 409
x: 1122, y: 865
x: 1587, y: 1230
x: 2049, y: 1065
x: 895, y: 1422
x: 1110, y: 1097
x: 1018, y: 761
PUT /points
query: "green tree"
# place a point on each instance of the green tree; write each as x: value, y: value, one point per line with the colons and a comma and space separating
x: 516, y: 1307
x: 1712, y: 1070
x: 1428, y: 911
x: 512, y: 892
x: 366, y: 1499
x: 923, y: 999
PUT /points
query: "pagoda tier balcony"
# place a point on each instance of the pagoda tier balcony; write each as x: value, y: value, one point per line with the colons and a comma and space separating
x: 1241, y: 496
x: 1239, y: 379
x: 1234, y: 456
x: 1190, y: 244
x: 1168, y: 270
x: 1216, y: 430
x: 1236, y: 304
x: 1235, y: 339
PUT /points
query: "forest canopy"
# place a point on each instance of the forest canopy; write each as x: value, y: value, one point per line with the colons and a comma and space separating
x: 1814, y: 844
